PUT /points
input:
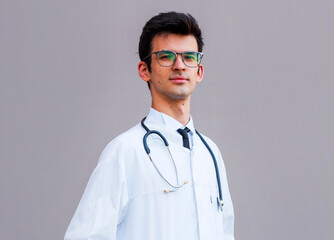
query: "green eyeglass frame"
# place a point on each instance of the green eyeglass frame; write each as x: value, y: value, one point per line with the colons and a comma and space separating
x: 167, y: 58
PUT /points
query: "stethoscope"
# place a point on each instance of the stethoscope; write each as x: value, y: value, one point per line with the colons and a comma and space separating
x: 178, y: 186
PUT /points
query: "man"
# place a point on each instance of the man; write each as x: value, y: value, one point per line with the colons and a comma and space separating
x: 161, y: 195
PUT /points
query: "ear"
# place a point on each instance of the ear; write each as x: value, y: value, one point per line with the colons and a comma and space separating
x: 143, y: 71
x: 200, y: 73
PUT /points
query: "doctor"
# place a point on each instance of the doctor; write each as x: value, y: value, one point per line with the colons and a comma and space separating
x: 131, y: 196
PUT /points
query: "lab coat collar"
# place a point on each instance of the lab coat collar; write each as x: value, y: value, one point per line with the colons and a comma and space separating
x: 170, y: 122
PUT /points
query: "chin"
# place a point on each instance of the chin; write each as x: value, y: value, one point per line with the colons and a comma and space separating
x: 179, y: 96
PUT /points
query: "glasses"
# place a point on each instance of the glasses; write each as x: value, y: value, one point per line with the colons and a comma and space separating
x: 167, y: 58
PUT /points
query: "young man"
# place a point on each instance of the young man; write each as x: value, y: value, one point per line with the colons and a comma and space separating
x: 142, y: 189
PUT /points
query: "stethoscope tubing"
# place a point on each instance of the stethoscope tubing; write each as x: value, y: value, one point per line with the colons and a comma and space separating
x: 148, y: 151
x: 215, y: 163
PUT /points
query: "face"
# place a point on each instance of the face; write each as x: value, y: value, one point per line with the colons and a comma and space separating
x: 178, y: 81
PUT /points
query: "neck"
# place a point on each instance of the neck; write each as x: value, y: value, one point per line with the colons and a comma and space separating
x: 179, y: 110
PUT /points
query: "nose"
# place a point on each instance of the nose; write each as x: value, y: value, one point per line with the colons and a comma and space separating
x: 179, y: 64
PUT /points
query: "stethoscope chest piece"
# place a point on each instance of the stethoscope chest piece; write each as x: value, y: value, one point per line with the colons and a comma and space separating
x: 220, y: 204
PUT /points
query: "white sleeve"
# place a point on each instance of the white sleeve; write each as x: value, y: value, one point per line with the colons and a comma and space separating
x: 228, y: 213
x: 103, y: 203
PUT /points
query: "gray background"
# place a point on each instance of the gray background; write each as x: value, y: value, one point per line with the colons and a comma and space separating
x: 69, y: 85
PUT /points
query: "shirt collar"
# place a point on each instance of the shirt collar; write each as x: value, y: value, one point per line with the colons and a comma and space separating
x: 170, y: 122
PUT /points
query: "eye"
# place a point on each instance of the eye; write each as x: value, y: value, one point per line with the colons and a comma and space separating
x: 190, y: 56
x: 166, y: 56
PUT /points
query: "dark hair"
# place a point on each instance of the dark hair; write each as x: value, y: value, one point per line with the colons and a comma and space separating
x: 170, y: 22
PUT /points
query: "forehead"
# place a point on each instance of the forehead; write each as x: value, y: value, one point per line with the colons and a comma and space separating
x: 174, y: 42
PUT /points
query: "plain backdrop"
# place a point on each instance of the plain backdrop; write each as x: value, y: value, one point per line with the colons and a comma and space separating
x: 69, y: 85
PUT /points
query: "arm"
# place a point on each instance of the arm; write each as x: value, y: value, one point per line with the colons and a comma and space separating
x: 103, y: 202
x: 228, y: 213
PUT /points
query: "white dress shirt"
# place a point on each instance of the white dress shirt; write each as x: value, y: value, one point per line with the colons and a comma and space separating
x: 125, y: 199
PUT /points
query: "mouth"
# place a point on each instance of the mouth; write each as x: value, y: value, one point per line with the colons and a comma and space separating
x: 178, y: 79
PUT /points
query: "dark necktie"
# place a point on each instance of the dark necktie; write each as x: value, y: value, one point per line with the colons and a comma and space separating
x: 185, y: 138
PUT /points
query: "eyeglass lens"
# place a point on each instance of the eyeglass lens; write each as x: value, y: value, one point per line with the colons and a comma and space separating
x: 168, y: 58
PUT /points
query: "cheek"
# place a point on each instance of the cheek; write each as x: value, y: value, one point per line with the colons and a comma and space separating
x: 160, y: 75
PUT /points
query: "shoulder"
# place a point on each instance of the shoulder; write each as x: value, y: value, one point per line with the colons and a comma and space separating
x: 209, y: 141
x: 217, y: 154
x: 213, y: 146
x: 124, y: 143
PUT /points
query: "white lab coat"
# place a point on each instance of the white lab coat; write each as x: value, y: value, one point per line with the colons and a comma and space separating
x: 125, y: 199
